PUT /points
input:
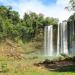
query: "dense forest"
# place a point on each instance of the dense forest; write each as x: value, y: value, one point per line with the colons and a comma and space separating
x: 29, y: 28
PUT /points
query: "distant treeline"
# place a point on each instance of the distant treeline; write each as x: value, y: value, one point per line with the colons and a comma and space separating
x: 29, y: 28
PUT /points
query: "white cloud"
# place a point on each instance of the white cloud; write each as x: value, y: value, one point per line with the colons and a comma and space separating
x: 56, y: 10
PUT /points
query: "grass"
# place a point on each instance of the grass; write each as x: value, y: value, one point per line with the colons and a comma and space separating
x: 11, y: 66
x: 26, y: 67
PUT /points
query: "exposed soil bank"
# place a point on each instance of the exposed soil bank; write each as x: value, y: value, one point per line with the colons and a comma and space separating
x: 57, y: 65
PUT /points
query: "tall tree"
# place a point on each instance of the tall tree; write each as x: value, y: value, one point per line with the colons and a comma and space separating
x: 34, y: 23
x: 71, y: 5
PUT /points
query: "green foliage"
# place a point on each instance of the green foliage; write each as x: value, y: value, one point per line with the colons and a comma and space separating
x: 4, y: 67
x: 71, y: 22
x: 26, y: 29
x: 34, y: 24
x: 71, y: 5
x: 72, y: 2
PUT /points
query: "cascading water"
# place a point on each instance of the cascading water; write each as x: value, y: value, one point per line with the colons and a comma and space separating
x: 58, y: 40
x: 65, y: 43
x: 48, y: 40
x: 64, y: 38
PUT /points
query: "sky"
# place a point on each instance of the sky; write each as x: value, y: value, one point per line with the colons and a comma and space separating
x: 50, y: 8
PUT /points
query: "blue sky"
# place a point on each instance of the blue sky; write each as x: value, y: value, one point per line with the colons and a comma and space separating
x: 51, y: 8
x: 44, y: 2
x: 48, y: 2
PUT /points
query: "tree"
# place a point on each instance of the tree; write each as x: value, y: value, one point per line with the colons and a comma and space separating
x: 34, y: 24
x: 28, y: 28
x: 71, y: 5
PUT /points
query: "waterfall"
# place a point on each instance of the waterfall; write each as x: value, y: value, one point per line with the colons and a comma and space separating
x: 58, y: 40
x: 51, y: 40
x: 64, y: 40
x: 48, y: 40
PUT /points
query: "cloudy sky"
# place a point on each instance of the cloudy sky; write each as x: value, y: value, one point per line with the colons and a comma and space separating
x: 51, y: 8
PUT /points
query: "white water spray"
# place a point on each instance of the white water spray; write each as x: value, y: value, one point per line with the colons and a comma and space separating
x: 48, y: 40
